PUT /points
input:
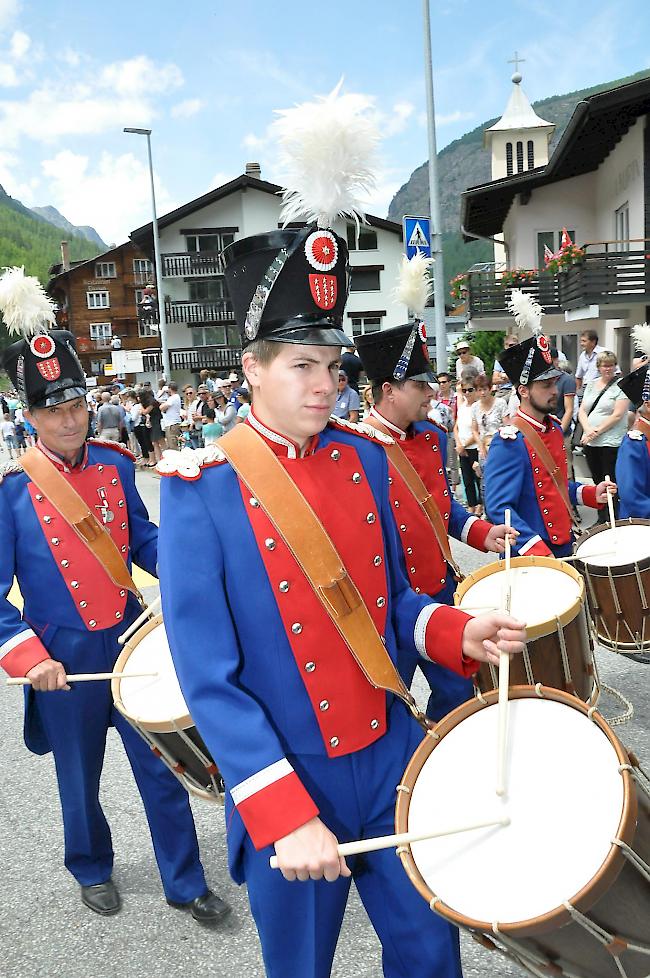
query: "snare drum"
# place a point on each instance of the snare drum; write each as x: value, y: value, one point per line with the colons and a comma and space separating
x: 564, y: 889
x: 156, y: 709
x: 549, y: 597
x: 616, y: 566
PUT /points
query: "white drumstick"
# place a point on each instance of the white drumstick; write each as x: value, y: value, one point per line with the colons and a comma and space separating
x: 504, y: 681
x: 133, y: 627
x: 585, y: 558
x: 403, y: 839
x: 610, y: 506
x: 86, y: 677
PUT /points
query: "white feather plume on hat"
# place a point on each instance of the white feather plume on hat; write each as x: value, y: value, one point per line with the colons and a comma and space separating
x: 328, y: 154
x: 526, y: 310
x: 25, y: 307
x: 414, y: 287
x: 641, y: 338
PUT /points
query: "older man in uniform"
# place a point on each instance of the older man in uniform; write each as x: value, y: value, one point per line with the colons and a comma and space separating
x: 426, y: 519
x: 309, y: 748
x: 73, y: 614
x: 526, y: 468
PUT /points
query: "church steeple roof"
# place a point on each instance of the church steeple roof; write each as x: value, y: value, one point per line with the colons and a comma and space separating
x: 519, y: 113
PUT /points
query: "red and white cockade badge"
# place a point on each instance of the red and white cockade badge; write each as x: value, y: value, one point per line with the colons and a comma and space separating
x: 321, y: 250
x: 544, y: 348
x: 422, y: 334
x: 42, y: 345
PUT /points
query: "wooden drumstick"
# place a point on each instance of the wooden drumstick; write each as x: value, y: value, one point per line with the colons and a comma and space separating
x: 610, y: 506
x: 86, y: 677
x: 504, y: 681
x: 403, y: 839
x: 133, y: 627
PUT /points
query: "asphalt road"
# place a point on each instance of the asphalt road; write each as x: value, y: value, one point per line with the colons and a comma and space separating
x: 46, y: 933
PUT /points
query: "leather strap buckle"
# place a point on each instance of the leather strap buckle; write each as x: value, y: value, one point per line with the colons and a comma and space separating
x: 341, y: 596
x: 88, y: 528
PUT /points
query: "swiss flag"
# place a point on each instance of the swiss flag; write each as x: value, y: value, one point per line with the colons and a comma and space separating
x: 548, y: 255
x: 565, y: 241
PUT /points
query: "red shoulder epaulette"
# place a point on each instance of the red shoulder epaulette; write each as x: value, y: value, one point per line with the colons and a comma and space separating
x: 359, y: 428
x: 116, y: 446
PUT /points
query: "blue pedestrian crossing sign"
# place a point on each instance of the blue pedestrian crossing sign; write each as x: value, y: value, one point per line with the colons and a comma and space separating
x: 417, y: 236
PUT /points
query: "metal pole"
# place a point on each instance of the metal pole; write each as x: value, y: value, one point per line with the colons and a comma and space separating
x: 166, y: 367
x: 434, y: 198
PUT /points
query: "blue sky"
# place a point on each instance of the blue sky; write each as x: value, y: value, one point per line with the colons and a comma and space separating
x: 206, y: 75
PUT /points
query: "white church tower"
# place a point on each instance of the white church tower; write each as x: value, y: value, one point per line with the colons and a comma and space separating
x: 519, y: 141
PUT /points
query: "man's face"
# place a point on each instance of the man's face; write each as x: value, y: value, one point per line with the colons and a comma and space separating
x: 203, y: 395
x: 63, y: 427
x: 343, y: 382
x: 542, y: 395
x: 411, y: 401
x: 296, y: 392
x: 226, y: 387
x: 587, y: 344
x: 464, y: 354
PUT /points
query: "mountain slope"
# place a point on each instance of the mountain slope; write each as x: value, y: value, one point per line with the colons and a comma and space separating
x: 53, y: 216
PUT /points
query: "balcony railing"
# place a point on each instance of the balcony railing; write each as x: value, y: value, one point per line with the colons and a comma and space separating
x: 208, y: 358
x: 610, y: 272
x: 192, y: 264
x: 184, y: 311
x: 488, y: 292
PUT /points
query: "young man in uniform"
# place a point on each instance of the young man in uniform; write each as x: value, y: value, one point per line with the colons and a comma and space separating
x: 309, y: 749
x: 526, y: 468
x: 73, y: 614
x: 401, y: 395
x: 633, y: 460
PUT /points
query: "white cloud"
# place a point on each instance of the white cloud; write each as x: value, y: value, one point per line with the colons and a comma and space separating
x: 22, y: 190
x: 140, y: 76
x: 112, y: 194
x: 446, y: 119
x: 188, y: 108
x: 20, y: 44
x: 9, y: 10
x: 220, y: 178
x: 70, y: 57
x: 8, y: 76
x: 396, y: 121
x: 251, y: 141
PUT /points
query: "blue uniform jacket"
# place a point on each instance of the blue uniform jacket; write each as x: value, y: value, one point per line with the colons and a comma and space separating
x: 633, y: 476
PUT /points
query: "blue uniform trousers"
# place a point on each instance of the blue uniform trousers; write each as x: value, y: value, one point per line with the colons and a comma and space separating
x: 299, y: 922
x: 448, y: 689
x: 76, y: 724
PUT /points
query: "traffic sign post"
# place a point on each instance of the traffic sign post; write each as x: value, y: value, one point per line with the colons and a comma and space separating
x: 417, y: 236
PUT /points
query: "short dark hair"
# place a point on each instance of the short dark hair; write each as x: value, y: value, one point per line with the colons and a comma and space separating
x: 172, y: 385
x: 264, y: 351
x: 377, y: 391
x: 443, y: 373
x: 591, y: 334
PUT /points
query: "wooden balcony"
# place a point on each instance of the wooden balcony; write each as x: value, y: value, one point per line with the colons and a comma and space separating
x: 194, y: 313
x: 611, y: 272
x: 192, y: 264
x: 488, y: 292
x: 205, y: 358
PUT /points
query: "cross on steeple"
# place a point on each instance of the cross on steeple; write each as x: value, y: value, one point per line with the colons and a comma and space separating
x: 516, y: 61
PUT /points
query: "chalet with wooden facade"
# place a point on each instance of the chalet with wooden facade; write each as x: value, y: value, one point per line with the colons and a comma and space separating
x: 596, y: 184
x: 98, y: 301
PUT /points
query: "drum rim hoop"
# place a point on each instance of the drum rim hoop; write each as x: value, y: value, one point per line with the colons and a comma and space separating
x: 184, y: 722
x: 595, y: 888
x: 549, y: 625
x: 618, y: 570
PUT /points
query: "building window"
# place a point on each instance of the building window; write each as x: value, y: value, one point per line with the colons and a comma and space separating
x: 365, y: 324
x: 365, y: 280
x: 214, y: 243
x: 98, y: 300
x: 362, y: 239
x: 208, y: 336
x: 531, y: 154
x: 207, y: 291
x: 622, y: 227
x: 101, y: 333
x: 509, y: 166
x: 97, y: 366
x: 105, y: 269
x: 145, y: 328
x: 520, y: 156
x: 143, y: 271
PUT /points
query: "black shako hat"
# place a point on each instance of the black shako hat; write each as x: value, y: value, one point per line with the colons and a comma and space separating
x: 289, y: 286
x: 385, y: 355
x: 637, y: 385
x: 45, y: 369
x: 529, y: 361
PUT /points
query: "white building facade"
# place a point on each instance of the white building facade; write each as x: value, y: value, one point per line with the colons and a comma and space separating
x: 201, y: 329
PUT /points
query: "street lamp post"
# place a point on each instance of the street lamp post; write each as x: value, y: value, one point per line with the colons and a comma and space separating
x: 434, y: 198
x: 156, y: 249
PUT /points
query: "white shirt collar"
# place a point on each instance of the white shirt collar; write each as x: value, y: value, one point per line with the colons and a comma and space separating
x: 391, y: 427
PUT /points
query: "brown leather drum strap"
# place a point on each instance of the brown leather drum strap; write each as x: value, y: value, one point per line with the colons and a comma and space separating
x: 547, y: 460
x: 69, y: 504
x: 422, y: 496
x: 262, y: 472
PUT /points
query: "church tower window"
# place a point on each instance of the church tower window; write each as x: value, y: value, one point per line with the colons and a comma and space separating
x: 509, y: 166
x: 531, y: 155
x: 520, y: 156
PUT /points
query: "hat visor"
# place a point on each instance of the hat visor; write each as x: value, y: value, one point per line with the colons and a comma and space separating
x: 426, y: 375
x: 551, y: 374
x: 58, y: 396
x: 309, y: 336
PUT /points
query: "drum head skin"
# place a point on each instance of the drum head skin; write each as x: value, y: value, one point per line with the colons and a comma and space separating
x: 155, y: 702
x: 542, y: 589
x: 565, y: 798
x: 628, y: 544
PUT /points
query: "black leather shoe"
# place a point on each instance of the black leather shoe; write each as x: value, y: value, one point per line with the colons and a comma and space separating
x: 207, y: 909
x: 103, y: 898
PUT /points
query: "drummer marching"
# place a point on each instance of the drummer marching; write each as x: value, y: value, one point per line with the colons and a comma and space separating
x: 309, y: 749
x: 526, y: 468
x: 633, y: 460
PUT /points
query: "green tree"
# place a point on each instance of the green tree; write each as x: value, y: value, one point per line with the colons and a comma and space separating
x: 487, y: 345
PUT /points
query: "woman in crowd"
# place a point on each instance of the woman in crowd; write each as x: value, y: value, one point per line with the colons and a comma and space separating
x: 488, y: 412
x: 366, y: 401
x: 226, y: 413
x: 153, y: 421
x: 212, y: 430
x: 141, y: 432
x: 603, y: 416
x: 244, y: 398
x: 466, y: 445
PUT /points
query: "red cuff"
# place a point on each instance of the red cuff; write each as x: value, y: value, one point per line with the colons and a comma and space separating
x: 478, y: 534
x: 24, y: 657
x: 443, y: 640
x: 589, y: 497
x: 276, y: 810
x: 538, y: 549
